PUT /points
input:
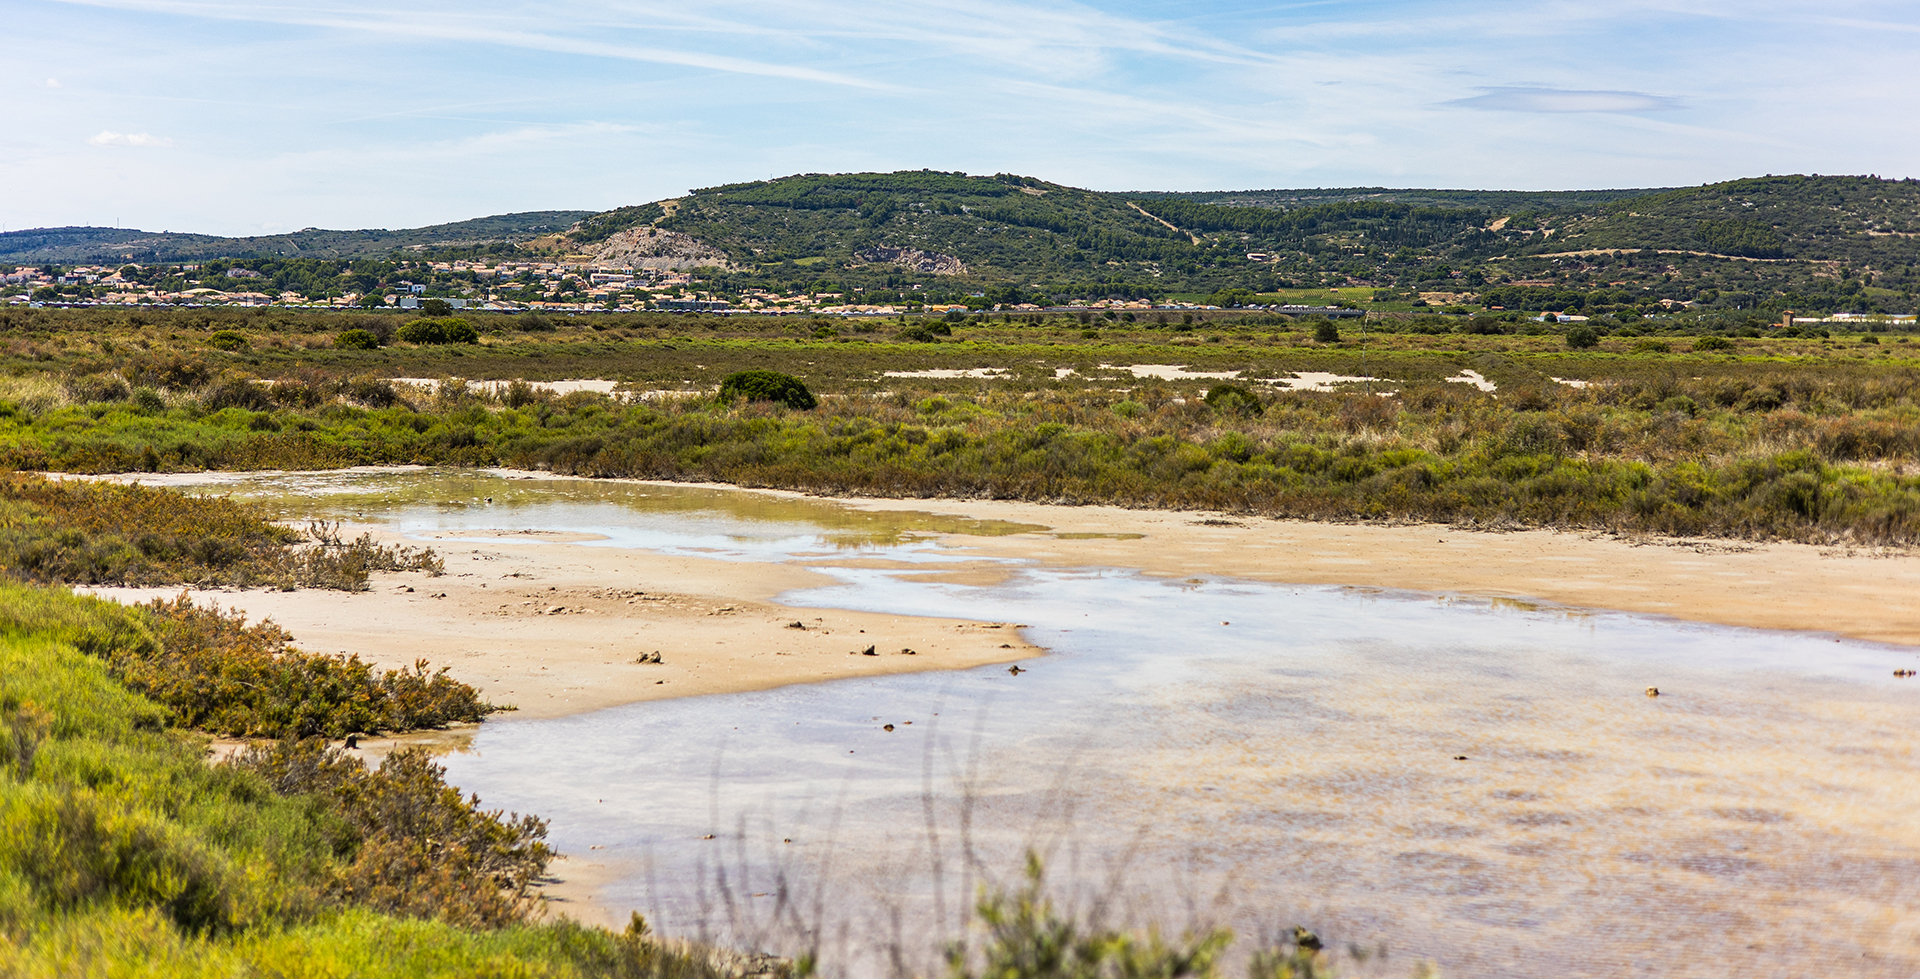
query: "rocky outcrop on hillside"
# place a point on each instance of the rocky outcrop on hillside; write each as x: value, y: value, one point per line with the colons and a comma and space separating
x: 913, y: 260
x: 648, y: 247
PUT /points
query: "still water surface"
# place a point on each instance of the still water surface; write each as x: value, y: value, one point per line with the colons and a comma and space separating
x: 1483, y: 784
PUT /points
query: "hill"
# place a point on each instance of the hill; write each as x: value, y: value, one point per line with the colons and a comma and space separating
x: 1011, y: 237
x: 1756, y: 246
x: 83, y: 245
x: 1860, y: 221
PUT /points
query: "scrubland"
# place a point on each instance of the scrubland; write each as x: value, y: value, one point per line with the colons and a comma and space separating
x: 1754, y: 437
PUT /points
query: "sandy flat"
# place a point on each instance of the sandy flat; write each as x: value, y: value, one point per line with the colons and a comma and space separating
x: 556, y: 628
x: 1862, y: 593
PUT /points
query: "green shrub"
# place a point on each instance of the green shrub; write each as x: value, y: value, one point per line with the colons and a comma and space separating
x: 238, y: 392
x: 356, y: 340
x: 97, y: 388
x: 1026, y: 938
x: 1581, y: 337
x: 1234, y: 399
x: 76, y: 532
x: 217, y: 673
x: 1709, y: 344
x: 1326, y: 331
x: 227, y: 340
x: 420, y: 848
x: 767, y: 386
x: 430, y: 331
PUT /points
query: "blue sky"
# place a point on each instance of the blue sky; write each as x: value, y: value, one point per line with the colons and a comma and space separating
x: 247, y: 118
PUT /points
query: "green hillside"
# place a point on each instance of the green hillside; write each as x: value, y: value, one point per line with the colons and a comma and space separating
x: 1860, y: 221
x: 1844, y: 242
x: 1754, y: 246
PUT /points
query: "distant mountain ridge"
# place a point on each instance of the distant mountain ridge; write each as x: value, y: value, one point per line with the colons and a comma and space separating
x: 1008, y: 235
x: 87, y: 245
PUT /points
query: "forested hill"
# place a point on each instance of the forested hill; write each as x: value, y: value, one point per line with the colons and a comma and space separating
x: 115, y: 245
x: 1801, y: 242
x: 1007, y: 233
x: 1498, y: 201
x: 1861, y: 221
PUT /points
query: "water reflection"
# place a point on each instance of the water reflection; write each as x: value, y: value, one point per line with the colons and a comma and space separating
x: 637, y: 514
x: 1483, y: 783
x: 1477, y: 782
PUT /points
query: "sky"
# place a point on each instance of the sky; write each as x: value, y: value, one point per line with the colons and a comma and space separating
x: 235, y: 118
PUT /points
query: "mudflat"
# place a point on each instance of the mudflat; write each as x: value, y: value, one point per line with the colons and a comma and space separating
x: 536, y: 620
x: 1858, y: 593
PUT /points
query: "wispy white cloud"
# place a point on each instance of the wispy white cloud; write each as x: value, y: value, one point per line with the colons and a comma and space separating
x: 108, y: 137
x: 348, y: 112
x: 470, y: 26
x: 53, y: 83
x: 1503, y: 99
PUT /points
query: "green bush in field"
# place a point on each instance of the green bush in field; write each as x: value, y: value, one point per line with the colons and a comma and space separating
x: 1234, y: 399
x: 1710, y: 344
x: 1326, y: 331
x: 227, y: 340
x: 356, y: 340
x: 1581, y: 337
x: 429, y: 331
x: 767, y: 386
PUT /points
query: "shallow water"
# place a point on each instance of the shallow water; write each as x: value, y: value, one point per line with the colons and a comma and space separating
x: 647, y: 515
x: 1484, y: 784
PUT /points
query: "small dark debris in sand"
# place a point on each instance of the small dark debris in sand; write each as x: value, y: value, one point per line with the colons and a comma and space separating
x: 1459, y: 757
x: 796, y: 625
x: 1905, y: 673
x: 887, y: 728
x: 869, y: 651
x: 1015, y: 669
x: 1653, y: 691
x: 653, y: 658
x: 1216, y: 522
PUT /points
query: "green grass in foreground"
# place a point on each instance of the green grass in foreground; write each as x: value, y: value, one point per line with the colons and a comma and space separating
x: 123, y: 853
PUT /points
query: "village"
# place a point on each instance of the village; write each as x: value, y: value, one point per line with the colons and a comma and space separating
x: 503, y: 286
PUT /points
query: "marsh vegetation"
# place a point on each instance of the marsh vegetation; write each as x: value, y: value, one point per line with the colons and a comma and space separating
x: 1703, y: 432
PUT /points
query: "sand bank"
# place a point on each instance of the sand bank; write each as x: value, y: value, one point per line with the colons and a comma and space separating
x: 556, y: 628
x: 1862, y: 594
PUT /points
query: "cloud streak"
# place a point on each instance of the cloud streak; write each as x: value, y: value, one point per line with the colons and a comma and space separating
x: 1506, y: 99
x: 359, y: 112
x: 108, y: 137
x: 464, y: 28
